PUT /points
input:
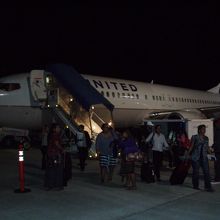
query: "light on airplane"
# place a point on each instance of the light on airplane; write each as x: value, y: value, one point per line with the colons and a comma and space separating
x: 56, y: 105
x: 93, y: 127
x: 110, y: 123
x: 96, y: 155
x: 67, y: 126
x: 48, y: 106
x: 90, y: 156
x: 93, y: 107
x: 47, y: 80
x: 71, y: 99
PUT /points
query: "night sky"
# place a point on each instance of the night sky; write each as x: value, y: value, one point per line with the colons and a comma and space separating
x: 170, y: 44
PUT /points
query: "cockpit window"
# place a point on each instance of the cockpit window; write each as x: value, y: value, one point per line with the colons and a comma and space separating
x: 9, y: 86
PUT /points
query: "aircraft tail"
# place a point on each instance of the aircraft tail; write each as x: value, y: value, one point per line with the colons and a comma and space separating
x: 215, y: 89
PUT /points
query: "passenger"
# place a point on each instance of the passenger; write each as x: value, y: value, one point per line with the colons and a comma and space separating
x: 104, y: 152
x: 183, y: 143
x: 159, y: 144
x: 44, y: 145
x: 54, y: 168
x: 83, y: 142
x: 128, y: 145
x: 198, y: 150
x: 217, y: 151
x: 147, y: 146
x: 67, y: 172
x: 172, y: 151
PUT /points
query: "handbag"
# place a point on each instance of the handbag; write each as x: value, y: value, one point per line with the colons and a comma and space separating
x: 134, y: 156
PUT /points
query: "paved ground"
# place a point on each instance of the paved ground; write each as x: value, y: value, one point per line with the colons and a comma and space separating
x: 86, y: 198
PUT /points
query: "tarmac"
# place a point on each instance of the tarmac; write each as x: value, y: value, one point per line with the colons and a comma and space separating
x: 86, y: 198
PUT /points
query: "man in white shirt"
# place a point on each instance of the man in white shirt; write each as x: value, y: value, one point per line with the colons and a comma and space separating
x: 82, y: 146
x: 159, y: 143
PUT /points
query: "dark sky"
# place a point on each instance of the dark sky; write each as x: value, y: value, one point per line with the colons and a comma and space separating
x: 171, y: 44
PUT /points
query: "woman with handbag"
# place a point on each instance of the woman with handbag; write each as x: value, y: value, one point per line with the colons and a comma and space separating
x: 129, y: 151
x: 54, y: 165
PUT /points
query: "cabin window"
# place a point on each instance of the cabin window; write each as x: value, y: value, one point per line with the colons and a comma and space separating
x: 102, y: 93
x: 146, y: 97
x: 173, y: 99
x: 137, y: 96
x: 118, y: 95
x: 132, y: 96
x: 176, y: 99
x: 9, y: 86
x: 129, y: 95
x: 123, y: 95
x: 113, y: 94
x: 107, y: 94
x: 160, y: 98
x: 163, y: 98
x: 153, y: 97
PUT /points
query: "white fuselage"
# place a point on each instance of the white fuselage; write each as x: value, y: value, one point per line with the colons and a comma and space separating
x: 133, y: 101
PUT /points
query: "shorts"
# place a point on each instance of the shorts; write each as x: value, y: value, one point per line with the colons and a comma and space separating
x: 107, y: 160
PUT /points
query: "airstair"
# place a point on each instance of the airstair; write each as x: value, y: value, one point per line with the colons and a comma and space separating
x: 74, y: 101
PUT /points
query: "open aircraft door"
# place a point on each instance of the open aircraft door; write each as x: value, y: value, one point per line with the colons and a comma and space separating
x: 38, y: 85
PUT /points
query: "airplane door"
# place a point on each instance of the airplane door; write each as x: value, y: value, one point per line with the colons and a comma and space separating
x: 38, y: 85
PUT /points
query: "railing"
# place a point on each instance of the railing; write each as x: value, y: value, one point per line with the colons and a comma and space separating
x: 101, y: 121
x: 66, y: 119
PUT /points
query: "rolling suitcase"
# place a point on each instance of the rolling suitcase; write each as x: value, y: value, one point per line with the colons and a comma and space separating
x: 180, y: 172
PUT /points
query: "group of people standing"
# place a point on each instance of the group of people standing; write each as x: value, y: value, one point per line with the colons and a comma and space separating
x: 57, y: 163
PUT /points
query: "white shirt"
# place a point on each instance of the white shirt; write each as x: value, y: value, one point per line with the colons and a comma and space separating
x: 159, y: 141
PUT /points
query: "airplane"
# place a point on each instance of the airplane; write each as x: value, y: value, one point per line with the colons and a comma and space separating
x: 22, y: 100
